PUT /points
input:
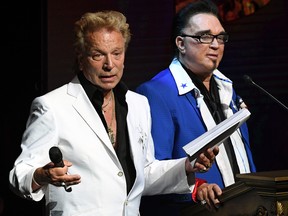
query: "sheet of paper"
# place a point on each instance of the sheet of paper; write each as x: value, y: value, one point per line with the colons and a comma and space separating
x: 216, y: 135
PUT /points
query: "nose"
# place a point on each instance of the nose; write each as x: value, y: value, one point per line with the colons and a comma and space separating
x: 108, y: 64
x: 214, y: 43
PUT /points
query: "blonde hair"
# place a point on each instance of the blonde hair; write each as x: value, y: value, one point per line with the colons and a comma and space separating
x: 90, y: 22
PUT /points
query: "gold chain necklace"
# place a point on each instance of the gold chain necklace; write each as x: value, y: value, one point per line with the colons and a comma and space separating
x: 107, y: 102
x: 110, y: 130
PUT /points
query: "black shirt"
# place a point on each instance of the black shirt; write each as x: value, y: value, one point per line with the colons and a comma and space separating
x: 95, y: 95
x: 212, y: 100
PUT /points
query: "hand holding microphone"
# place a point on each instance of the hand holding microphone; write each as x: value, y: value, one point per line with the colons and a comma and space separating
x: 56, y: 157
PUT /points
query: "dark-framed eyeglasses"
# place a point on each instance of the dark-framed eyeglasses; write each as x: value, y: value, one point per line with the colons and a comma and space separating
x: 208, y: 38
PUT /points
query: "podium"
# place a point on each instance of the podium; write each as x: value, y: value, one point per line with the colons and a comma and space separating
x: 254, y: 194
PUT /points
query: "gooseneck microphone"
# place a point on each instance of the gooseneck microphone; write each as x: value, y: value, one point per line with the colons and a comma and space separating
x: 56, y: 157
x: 249, y: 80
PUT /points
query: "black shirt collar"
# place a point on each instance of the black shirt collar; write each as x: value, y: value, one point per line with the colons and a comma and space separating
x: 119, y: 91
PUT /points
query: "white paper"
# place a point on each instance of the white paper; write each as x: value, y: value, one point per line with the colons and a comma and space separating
x: 216, y: 135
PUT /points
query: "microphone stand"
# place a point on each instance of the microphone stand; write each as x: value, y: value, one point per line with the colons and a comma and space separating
x: 250, y: 81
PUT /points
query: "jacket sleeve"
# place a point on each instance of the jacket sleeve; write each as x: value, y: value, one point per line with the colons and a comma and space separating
x: 38, y: 137
x: 162, y: 176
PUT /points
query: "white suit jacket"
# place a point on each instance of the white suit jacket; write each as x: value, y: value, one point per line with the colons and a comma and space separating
x: 66, y: 118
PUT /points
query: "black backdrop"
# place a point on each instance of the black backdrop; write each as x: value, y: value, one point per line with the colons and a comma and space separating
x: 258, y: 48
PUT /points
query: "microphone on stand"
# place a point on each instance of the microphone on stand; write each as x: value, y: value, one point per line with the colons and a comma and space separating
x: 249, y: 80
x: 56, y: 157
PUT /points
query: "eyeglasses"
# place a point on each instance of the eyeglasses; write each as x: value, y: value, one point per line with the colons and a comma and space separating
x: 208, y: 38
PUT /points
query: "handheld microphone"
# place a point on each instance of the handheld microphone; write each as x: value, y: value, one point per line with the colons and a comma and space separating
x: 56, y: 157
x: 249, y: 80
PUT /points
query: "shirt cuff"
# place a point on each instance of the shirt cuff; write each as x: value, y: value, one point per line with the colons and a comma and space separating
x: 198, y: 182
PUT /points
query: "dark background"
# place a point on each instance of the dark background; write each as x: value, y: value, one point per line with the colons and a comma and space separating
x: 38, y: 57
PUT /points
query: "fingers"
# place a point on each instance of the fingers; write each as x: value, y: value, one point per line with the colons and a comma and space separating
x: 67, y: 184
x: 203, y: 162
x: 59, y: 176
x: 216, y: 150
x: 206, y: 159
x: 59, y: 184
x: 66, y: 179
x: 203, y: 202
x: 210, y: 153
x: 208, y: 195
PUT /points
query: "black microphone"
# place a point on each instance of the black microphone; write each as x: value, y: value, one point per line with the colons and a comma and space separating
x: 249, y: 80
x: 56, y: 157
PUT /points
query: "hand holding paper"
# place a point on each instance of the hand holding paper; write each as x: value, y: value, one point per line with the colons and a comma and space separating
x: 216, y: 135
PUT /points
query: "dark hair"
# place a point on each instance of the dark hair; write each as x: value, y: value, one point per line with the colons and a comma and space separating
x: 181, y: 19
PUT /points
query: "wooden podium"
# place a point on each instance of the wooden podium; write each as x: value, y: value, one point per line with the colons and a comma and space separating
x: 254, y: 194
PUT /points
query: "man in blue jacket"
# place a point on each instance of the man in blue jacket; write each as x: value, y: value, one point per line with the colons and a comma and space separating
x: 190, y: 97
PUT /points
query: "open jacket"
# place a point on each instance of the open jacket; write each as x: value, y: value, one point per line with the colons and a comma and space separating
x: 179, y: 115
x: 66, y: 118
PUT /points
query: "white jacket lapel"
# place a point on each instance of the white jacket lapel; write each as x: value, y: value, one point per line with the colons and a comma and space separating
x: 85, y: 109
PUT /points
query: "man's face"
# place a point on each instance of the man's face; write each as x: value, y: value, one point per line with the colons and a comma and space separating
x: 103, y: 63
x: 201, y: 58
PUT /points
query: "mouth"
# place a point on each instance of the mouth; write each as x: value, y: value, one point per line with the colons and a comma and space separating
x: 107, y: 78
x: 212, y: 56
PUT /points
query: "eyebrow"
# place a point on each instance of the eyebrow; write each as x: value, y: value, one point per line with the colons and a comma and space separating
x: 207, y: 32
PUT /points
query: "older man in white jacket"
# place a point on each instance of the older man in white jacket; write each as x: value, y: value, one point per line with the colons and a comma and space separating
x: 103, y: 132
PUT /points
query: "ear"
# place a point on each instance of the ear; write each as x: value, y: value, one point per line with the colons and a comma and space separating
x: 180, y: 44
